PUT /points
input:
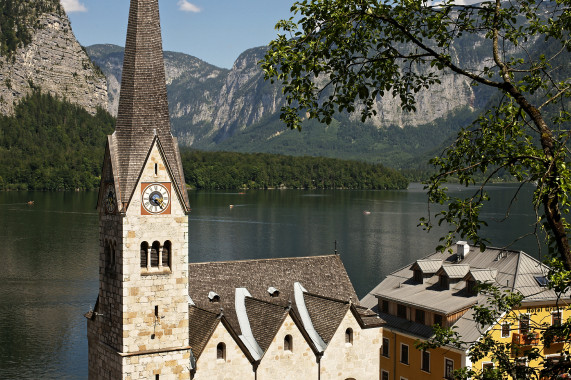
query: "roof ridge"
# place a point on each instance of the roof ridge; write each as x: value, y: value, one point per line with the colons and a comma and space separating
x: 327, y: 298
x: 266, y: 302
x: 263, y: 259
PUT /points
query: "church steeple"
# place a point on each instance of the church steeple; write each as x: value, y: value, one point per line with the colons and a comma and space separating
x: 143, y: 105
x: 138, y: 328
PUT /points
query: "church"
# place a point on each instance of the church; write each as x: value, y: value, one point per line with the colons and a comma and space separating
x: 156, y: 316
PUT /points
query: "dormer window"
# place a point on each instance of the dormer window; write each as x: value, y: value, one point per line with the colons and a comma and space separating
x: 417, y: 276
x: 471, y: 287
x: 444, y: 282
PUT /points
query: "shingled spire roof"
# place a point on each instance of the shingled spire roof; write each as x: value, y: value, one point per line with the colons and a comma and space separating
x: 143, y: 106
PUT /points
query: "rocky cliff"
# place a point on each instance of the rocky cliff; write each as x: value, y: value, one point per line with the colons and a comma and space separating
x: 54, y: 62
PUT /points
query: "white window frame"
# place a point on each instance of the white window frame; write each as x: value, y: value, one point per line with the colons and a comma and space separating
x: 560, y: 312
x: 528, y: 322
x: 383, y: 371
x: 388, y: 347
x: 452, y: 374
x: 502, y: 329
x: 422, y: 361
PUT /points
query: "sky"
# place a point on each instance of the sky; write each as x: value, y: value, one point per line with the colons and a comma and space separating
x: 216, y: 31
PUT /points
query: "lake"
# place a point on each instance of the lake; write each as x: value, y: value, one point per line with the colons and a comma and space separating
x: 49, y: 274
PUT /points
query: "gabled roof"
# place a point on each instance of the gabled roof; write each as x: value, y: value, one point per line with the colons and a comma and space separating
x: 143, y: 105
x: 323, y: 275
x: 326, y: 314
x: 454, y: 271
x: 509, y: 269
x: 427, y: 266
x: 202, y: 324
x: 265, y: 320
x: 482, y: 275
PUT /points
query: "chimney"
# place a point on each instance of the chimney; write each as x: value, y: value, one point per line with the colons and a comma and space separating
x: 462, y: 249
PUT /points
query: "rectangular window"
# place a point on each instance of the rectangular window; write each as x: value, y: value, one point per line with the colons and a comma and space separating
x: 425, y: 365
x: 417, y: 274
x: 385, y: 348
x: 444, y: 284
x: 384, y: 375
x: 506, y: 330
x: 448, y: 369
x: 524, y: 324
x: 404, y: 353
x: 438, y: 319
x: 401, y: 311
x: 385, y: 306
x: 556, y: 318
x: 419, y: 317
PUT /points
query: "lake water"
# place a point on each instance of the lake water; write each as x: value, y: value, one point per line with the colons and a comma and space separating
x: 49, y: 274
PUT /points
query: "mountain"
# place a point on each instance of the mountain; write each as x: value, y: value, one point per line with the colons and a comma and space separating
x: 38, y: 50
x: 237, y: 110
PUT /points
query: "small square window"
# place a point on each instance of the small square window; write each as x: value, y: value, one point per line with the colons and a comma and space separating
x: 384, y: 375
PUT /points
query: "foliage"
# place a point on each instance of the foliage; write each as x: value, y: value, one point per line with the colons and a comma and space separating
x: 342, y: 56
x: 227, y: 170
x: 18, y: 18
x: 51, y: 144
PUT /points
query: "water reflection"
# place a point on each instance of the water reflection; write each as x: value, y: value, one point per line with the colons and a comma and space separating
x: 49, y: 278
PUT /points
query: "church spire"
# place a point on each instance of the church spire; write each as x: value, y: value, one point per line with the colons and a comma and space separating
x: 143, y: 106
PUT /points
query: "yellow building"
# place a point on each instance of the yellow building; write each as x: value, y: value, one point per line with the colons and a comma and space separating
x: 439, y: 289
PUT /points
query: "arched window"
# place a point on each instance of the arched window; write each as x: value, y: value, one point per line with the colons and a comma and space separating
x: 349, y: 336
x: 166, y: 254
x: 144, y: 254
x: 288, y: 343
x: 155, y: 249
x: 221, y: 351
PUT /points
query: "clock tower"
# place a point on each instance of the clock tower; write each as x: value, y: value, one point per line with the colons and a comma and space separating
x: 138, y: 328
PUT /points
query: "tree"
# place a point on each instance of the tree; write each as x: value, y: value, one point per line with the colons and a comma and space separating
x: 338, y: 55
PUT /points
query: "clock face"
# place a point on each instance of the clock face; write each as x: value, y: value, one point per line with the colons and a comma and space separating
x: 110, y: 199
x: 156, y: 198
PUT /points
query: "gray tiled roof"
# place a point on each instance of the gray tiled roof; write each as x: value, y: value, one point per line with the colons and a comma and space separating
x: 201, y: 326
x: 265, y: 320
x: 323, y: 275
x: 326, y: 314
x: 507, y: 269
x: 143, y: 106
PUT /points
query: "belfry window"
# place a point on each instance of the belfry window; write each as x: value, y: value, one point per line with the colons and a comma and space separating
x: 144, y: 254
x: 155, y: 249
x: 107, y: 252
x: 166, y: 254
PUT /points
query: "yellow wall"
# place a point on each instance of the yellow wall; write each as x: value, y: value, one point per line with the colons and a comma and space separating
x: 413, y: 370
x: 540, y: 317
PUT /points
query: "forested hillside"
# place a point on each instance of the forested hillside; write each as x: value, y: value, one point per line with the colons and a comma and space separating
x: 229, y: 170
x: 51, y: 144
